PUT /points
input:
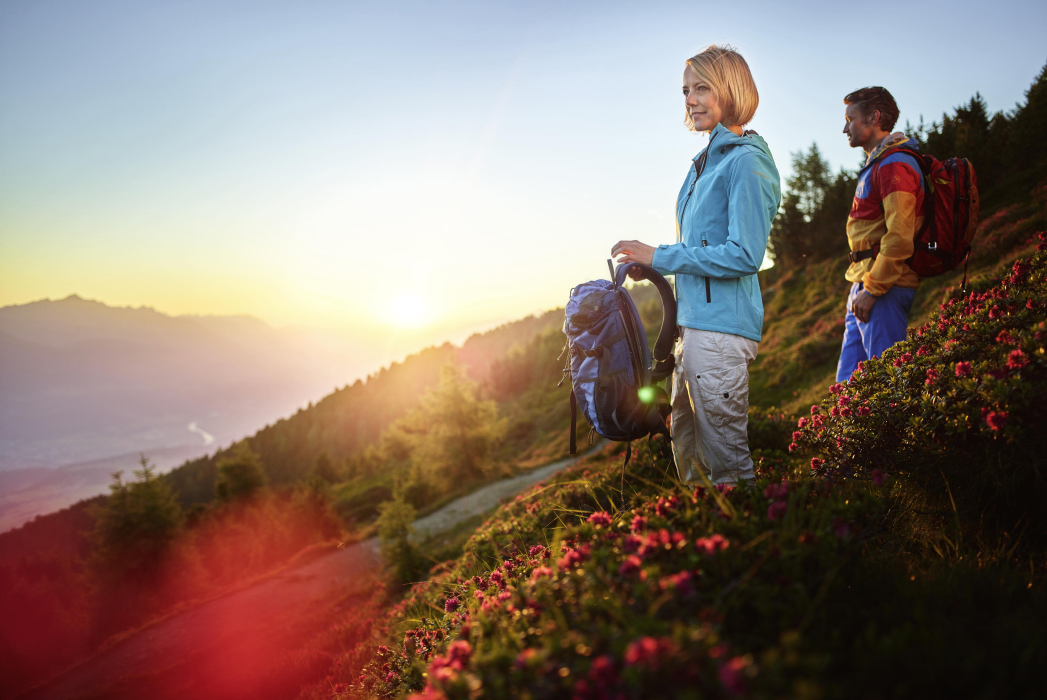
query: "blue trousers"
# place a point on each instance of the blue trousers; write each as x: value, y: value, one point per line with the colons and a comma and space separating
x: 887, y: 324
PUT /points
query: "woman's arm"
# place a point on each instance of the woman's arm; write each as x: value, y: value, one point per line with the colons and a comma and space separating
x: 752, y: 203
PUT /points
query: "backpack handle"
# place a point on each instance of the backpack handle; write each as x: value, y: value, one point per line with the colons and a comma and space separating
x: 663, y: 347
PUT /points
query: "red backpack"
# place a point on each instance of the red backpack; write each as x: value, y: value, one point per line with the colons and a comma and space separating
x: 950, y: 214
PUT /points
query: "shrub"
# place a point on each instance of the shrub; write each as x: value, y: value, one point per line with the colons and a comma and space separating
x: 394, y: 533
x: 953, y: 410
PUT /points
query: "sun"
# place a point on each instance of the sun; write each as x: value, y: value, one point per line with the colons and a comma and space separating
x: 407, y: 310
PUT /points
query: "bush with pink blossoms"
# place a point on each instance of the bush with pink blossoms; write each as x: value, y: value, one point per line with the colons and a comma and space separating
x: 962, y: 421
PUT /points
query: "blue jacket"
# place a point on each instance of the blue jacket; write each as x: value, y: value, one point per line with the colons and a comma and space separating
x: 723, y: 219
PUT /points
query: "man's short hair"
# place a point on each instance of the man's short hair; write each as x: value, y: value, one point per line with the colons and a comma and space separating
x: 872, y: 99
x: 727, y: 73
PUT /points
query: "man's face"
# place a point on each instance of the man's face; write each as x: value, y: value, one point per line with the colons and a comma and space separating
x: 858, y: 127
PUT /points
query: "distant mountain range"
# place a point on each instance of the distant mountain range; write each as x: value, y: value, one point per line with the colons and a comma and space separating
x: 86, y: 387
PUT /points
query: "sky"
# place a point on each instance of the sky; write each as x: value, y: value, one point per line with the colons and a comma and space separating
x: 404, y: 172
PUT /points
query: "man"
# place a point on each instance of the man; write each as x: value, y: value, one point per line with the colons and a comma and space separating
x: 886, y: 215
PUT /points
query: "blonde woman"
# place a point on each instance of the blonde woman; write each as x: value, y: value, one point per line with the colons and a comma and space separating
x: 723, y: 217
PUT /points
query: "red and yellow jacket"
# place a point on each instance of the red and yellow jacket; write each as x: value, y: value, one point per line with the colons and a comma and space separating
x: 887, y: 209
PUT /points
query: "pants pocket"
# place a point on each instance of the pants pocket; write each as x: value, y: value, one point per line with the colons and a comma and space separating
x: 725, y: 394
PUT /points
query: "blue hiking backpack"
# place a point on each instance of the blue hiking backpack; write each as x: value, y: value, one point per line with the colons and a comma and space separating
x: 612, y: 374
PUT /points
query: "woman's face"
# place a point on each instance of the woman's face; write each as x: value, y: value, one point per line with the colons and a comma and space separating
x: 701, y: 102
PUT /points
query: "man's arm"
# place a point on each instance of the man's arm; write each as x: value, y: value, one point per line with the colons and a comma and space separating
x: 899, y: 184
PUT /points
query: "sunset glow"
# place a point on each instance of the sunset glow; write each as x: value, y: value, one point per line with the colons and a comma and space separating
x: 408, y: 310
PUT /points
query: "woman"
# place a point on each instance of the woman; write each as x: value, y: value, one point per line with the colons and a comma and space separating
x: 723, y: 217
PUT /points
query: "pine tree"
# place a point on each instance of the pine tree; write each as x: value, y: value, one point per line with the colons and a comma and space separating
x: 239, y: 475
x: 454, y: 432
x: 136, y: 525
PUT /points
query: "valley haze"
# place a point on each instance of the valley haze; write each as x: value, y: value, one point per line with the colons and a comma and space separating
x: 87, y: 388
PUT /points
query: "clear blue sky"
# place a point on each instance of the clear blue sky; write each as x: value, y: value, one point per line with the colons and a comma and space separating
x: 351, y: 165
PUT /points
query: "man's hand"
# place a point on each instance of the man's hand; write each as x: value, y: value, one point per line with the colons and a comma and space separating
x: 634, y: 251
x: 862, y: 306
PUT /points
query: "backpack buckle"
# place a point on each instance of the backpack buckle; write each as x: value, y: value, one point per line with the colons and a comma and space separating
x: 932, y: 246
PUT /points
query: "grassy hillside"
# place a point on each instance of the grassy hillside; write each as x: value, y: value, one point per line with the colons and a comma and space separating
x: 896, y: 550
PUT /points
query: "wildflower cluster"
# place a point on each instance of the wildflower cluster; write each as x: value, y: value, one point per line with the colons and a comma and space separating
x: 968, y: 373
x: 587, y: 597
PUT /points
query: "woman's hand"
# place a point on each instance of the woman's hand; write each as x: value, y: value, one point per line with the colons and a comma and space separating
x: 634, y: 251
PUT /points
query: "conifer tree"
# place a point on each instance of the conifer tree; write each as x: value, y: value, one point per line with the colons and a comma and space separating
x: 239, y: 475
x: 137, y: 523
x: 455, y: 432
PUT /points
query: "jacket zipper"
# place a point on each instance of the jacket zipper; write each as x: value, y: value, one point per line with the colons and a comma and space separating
x: 697, y: 174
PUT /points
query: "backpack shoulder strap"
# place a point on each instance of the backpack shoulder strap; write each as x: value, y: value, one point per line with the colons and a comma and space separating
x: 663, y: 347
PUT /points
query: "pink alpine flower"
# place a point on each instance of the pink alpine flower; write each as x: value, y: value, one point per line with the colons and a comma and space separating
x: 732, y: 675
x: 996, y: 420
x: 864, y: 411
x: 459, y: 650
x: 815, y: 409
x: 776, y: 510
x: 664, y: 506
x: 845, y: 411
x: 600, y: 518
x: 680, y: 582
x: 816, y: 463
x: 630, y: 566
x: 541, y: 572
x: 879, y: 477
x: 638, y: 523
x: 801, y: 423
x: 712, y: 544
x: 525, y: 657
x: 1016, y: 360
x: 649, y: 652
x: 573, y: 557
x: 602, y: 672
x: 451, y: 604
x: 963, y: 369
x: 932, y: 376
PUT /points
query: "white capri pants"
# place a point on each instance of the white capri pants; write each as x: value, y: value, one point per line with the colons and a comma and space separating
x: 710, y: 405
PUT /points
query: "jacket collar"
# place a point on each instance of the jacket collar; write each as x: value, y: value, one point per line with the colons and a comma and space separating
x: 889, y: 141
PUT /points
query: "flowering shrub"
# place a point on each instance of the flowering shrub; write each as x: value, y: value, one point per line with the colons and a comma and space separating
x: 586, y: 597
x: 936, y: 407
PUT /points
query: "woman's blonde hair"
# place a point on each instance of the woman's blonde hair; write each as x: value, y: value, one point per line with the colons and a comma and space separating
x: 728, y: 75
